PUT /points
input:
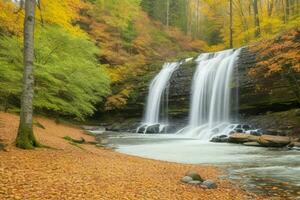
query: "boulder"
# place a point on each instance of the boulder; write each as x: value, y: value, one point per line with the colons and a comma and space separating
x: 239, y: 138
x: 253, y: 138
x: 186, y: 179
x: 141, y: 129
x: 252, y: 144
x: 195, y: 182
x: 220, y: 139
x: 153, y: 128
x: 194, y: 175
x: 209, y: 184
x: 274, y: 141
x: 294, y: 145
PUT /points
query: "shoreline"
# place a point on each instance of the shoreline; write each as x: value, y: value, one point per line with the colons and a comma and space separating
x: 89, y: 172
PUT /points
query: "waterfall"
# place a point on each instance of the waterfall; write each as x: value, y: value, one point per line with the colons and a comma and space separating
x: 158, y: 90
x: 211, y: 95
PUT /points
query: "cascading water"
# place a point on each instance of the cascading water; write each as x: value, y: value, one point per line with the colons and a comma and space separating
x: 157, y: 90
x: 211, y: 95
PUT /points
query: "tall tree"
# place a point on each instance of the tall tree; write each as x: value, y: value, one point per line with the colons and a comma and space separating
x: 25, y: 138
x: 231, y: 25
x: 168, y: 14
x: 256, y: 19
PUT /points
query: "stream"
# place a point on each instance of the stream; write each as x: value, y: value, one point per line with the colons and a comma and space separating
x: 264, y: 171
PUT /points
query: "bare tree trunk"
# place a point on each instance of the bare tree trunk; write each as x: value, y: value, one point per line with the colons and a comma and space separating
x: 168, y: 13
x: 287, y: 9
x: 230, y: 25
x: 25, y: 138
x: 270, y: 7
x: 197, y: 19
x: 256, y: 19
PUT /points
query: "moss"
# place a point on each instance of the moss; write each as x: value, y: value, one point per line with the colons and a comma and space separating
x: 25, y: 138
x: 68, y: 138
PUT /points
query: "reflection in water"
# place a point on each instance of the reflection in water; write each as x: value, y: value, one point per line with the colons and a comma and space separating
x: 272, y: 172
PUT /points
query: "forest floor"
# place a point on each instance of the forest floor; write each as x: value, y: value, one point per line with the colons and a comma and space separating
x: 85, y: 171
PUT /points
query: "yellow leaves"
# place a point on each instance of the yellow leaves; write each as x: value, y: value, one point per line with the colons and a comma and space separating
x: 10, y: 20
x: 62, y: 13
x: 57, y: 12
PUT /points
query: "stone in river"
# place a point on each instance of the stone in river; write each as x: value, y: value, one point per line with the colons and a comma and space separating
x: 274, y: 141
x: 194, y: 175
x: 239, y: 138
x: 186, y: 179
x: 252, y: 144
x: 195, y: 182
x: 210, y: 184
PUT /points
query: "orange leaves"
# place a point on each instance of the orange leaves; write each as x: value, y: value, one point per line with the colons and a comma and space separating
x: 118, y: 100
x: 279, y: 54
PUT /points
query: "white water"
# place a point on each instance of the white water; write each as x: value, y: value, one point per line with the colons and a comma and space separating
x: 157, y: 90
x: 211, y: 95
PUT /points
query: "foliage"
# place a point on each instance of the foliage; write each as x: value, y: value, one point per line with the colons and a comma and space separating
x: 279, y: 57
x: 130, y: 42
x: 68, y: 79
x: 208, y: 20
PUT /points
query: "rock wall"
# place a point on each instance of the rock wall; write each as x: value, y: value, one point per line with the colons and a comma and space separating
x: 255, y: 105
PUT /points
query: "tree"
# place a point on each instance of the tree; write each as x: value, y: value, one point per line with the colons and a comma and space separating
x: 25, y: 138
x: 256, y: 19
x: 230, y: 26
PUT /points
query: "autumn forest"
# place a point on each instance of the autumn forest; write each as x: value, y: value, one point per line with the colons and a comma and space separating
x: 96, y: 96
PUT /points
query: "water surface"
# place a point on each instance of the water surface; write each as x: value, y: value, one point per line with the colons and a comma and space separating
x: 268, y: 171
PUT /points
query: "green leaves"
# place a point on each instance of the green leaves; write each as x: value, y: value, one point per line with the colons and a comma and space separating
x: 68, y: 79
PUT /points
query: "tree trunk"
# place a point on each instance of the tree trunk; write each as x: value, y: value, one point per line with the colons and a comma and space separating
x: 287, y: 10
x: 256, y: 19
x: 230, y: 26
x: 270, y: 7
x: 168, y: 14
x: 197, y: 19
x: 25, y: 138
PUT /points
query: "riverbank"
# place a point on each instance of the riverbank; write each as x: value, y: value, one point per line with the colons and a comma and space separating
x: 84, y: 171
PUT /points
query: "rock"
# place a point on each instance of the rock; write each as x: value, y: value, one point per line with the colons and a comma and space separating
x: 239, y: 138
x: 153, y: 128
x: 186, y: 179
x: 141, y: 129
x: 253, y: 138
x: 252, y: 144
x: 220, y: 139
x: 195, y: 182
x: 2, y: 147
x: 294, y: 146
x: 194, y: 175
x: 209, y: 184
x: 274, y: 141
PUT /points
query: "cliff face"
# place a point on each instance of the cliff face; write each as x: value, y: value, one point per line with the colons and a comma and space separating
x: 275, y: 107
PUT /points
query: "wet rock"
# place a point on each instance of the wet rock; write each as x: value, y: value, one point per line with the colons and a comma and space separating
x: 253, y: 138
x: 274, y: 141
x: 186, y: 179
x: 294, y: 146
x: 220, y: 139
x: 209, y: 184
x: 194, y: 175
x: 153, y: 128
x: 252, y: 144
x: 239, y: 138
x: 195, y: 182
x: 141, y: 129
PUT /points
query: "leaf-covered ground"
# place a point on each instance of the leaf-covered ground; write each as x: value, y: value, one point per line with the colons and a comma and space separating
x: 69, y: 172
